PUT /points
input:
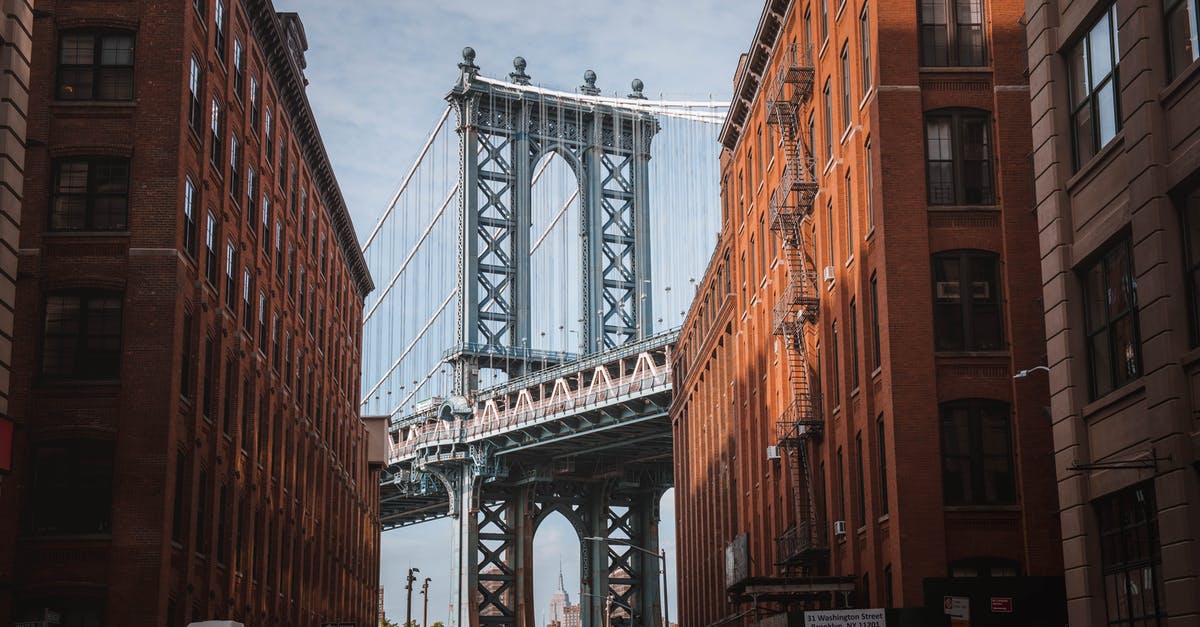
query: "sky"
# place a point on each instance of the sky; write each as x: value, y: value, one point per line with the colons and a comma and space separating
x: 378, y: 71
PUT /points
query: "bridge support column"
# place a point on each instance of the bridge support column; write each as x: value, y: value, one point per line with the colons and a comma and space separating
x: 643, y: 519
x: 460, y: 482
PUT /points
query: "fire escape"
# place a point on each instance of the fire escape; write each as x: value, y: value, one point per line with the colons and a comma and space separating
x: 804, y: 547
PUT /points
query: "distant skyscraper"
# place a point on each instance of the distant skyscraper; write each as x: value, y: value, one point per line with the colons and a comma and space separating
x: 559, y: 602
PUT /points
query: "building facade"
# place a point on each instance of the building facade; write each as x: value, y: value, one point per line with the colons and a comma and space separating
x: 186, y: 363
x: 1115, y: 87
x: 845, y: 378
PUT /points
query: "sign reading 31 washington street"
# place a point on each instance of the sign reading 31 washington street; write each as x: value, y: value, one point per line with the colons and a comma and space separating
x: 845, y: 618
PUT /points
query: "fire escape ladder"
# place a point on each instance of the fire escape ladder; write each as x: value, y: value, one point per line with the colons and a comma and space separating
x: 804, y: 547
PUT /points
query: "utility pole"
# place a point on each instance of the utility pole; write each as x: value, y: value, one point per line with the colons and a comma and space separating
x: 409, y: 587
x: 425, y: 602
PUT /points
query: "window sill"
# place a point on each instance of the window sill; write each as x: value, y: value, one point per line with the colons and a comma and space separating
x: 883, y: 520
x: 1097, y: 162
x: 82, y: 103
x: 1169, y: 94
x: 66, y: 537
x: 989, y: 207
x: 67, y: 383
x: 980, y: 509
x: 48, y: 234
x: 866, y: 97
x: 956, y: 69
x: 971, y: 354
x: 1115, y: 397
x: 846, y: 132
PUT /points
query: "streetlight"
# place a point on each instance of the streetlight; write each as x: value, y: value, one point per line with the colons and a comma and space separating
x: 425, y: 608
x: 609, y: 602
x: 1025, y: 373
x: 662, y: 555
x: 409, y: 587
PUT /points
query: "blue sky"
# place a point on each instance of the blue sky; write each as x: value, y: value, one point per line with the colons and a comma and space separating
x: 378, y: 70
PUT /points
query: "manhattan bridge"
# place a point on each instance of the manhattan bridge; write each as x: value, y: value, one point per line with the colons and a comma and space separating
x: 535, y: 264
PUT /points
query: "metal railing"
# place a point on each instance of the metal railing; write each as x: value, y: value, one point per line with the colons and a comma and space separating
x: 797, y: 304
x: 806, y: 541
x: 800, y: 419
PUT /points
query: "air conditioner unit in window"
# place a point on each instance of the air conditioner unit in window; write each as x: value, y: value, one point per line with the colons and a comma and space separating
x: 839, y: 528
x: 772, y: 452
x: 828, y: 273
x: 947, y: 290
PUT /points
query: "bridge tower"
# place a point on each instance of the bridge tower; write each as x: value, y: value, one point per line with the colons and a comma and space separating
x: 504, y: 129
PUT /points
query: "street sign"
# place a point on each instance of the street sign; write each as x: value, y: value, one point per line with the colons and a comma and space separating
x: 1002, y: 605
x: 958, y: 609
x: 845, y: 618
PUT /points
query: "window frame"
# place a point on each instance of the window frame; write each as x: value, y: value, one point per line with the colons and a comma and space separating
x: 1189, y: 8
x: 951, y: 27
x: 967, y: 258
x: 975, y: 457
x: 864, y: 37
x: 1127, y: 525
x: 91, y: 195
x: 75, y: 485
x: 847, y: 96
x: 1092, y: 331
x: 195, y: 94
x: 98, y: 67
x: 1089, y: 102
x: 78, y: 342
x: 1189, y: 215
x: 958, y: 120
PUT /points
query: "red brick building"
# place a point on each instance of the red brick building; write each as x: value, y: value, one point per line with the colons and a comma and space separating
x: 848, y: 427
x: 186, y: 357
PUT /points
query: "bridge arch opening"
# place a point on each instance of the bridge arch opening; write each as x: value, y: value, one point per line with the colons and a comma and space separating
x: 556, y: 549
x: 556, y: 262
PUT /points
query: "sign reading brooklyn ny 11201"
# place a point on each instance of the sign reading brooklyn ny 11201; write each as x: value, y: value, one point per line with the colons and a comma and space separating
x: 845, y: 618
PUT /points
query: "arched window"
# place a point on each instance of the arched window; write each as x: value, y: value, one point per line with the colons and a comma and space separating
x: 977, y: 459
x: 966, y: 301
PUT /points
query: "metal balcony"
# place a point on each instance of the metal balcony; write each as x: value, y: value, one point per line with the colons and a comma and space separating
x: 797, y: 305
x: 800, y: 420
x: 792, y: 87
x: 803, y: 544
x: 793, y: 198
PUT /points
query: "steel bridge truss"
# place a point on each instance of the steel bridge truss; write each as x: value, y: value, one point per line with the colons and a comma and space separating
x: 505, y: 129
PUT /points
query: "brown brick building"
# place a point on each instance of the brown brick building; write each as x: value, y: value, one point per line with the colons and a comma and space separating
x: 187, y: 348
x: 846, y: 407
x: 1115, y: 92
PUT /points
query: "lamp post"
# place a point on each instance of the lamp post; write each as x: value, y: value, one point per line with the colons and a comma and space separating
x: 425, y: 603
x: 609, y: 602
x: 409, y: 587
x: 662, y: 555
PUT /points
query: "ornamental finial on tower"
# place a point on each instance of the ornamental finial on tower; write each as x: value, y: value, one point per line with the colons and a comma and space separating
x: 468, y: 67
x: 519, y: 76
x: 589, y: 84
x: 637, y: 86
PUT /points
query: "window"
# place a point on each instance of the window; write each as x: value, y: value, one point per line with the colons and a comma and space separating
x: 876, y: 360
x: 869, y: 175
x: 1183, y: 42
x: 1191, y: 251
x: 266, y: 227
x: 235, y: 170
x: 1114, y: 346
x: 862, y: 484
x: 836, y: 375
x: 829, y: 232
x: 275, y: 342
x: 888, y: 598
x: 849, y: 216
x: 268, y: 139
x: 177, y: 524
x: 1130, y: 556
x: 262, y: 320
x: 210, y: 250
x: 255, y: 105
x: 966, y: 301
x: 230, y: 278
x: 824, y: 20
x: 195, y: 110
x: 958, y: 158
x: 846, y: 85
x: 952, y: 33
x: 219, y: 30
x: 1095, y: 88
x: 72, y: 488
x: 209, y: 385
x: 82, y: 337
x: 853, y: 344
x: 247, y: 305
x: 881, y: 444
x: 199, y: 6
x: 185, y: 370
x: 95, y: 65
x: 90, y: 194
x: 215, y: 136
x: 864, y: 41
x: 227, y: 399
x: 977, y: 461
x: 239, y: 68
x: 828, y: 123
x: 841, y: 481
x: 189, y: 217
x: 278, y: 249
x: 202, y: 513
x: 251, y: 198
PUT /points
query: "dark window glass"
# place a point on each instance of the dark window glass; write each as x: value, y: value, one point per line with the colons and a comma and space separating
x: 977, y: 461
x: 888, y: 598
x: 1130, y: 556
x: 864, y: 40
x: 247, y: 305
x: 72, y: 487
x: 875, y: 339
x: 846, y: 97
x: 1110, y: 294
x: 958, y: 159
x: 836, y: 375
x: 189, y: 217
x: 223, y: 525
x: 177, y: 522
x: 82, y: 336
x: 214, y: 141
x: 853, y: 344
x: 219, y: 29
x: 881, y: 435
x: 239, y: 68
x: 828, y: 122
x: 235, y: 170
x: 95, y: 65
x: 966, y: 301
x: 952, y: 33
x: 824, y: 20
x: 862, y: 483
x: 227, y: 399
x: 72, y: 611
x: 231, y: 276
x: 1095, y: 88
x: 202, y: 513
x: 1183, y: 33
x: 90, y: 194
x: 195, y: 108
x: 210, y: 250
x: 185, y: 371
x: 209, y: 384
x: 1191, y: 251
x: 255, y: 105
x: 841, y: 479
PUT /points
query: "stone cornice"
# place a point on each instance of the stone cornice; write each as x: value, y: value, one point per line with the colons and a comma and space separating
x: 290, y: 83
